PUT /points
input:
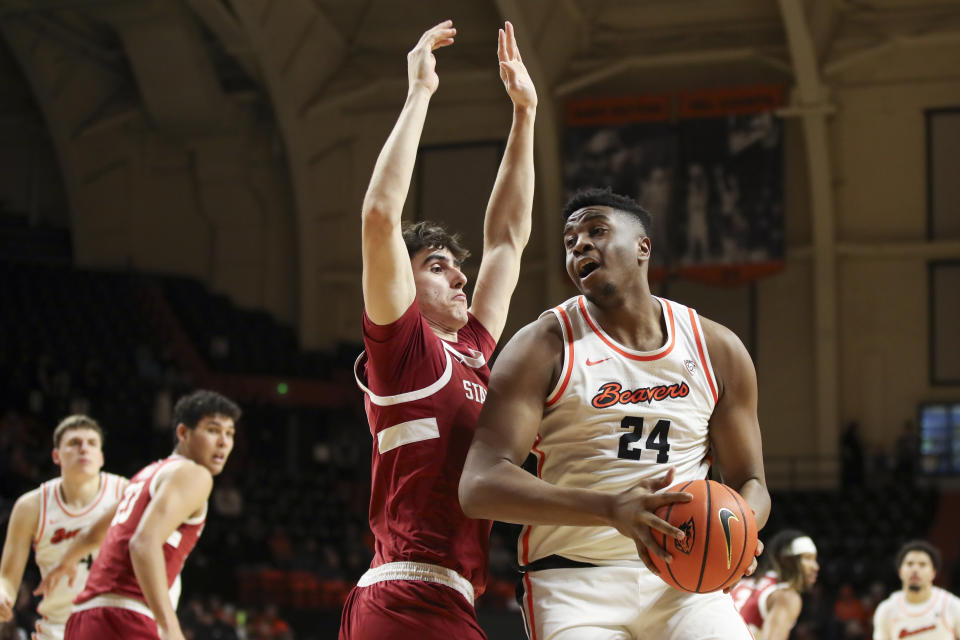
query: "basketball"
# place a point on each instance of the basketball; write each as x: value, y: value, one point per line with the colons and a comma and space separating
x: 721, y: 538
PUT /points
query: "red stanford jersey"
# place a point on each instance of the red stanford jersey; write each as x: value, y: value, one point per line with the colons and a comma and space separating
x: 750, y: 597
x: 112, y: 571
x: 423, y: 396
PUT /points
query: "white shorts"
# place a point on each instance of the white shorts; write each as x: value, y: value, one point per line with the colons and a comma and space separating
x: 623, y: 603
x: 46, y: 630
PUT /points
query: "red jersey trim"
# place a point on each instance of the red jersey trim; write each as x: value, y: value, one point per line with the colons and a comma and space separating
x: 702, y: 351
x: 655, y: 355
x: 567, y: 329
x: 102, y: 492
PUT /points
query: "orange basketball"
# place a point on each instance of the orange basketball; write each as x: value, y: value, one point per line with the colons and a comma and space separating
x: 721, y: 538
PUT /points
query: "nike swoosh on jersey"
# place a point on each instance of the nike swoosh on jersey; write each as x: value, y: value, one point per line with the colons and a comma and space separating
x: 725, y: 517
x: 590, y: 362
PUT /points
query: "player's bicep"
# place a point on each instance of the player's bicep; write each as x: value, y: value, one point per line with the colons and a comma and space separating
x: 734, y: 426
x: 388, y: 286
x: 21, y: 529
x: 179, y: 497
x: 521, y: 378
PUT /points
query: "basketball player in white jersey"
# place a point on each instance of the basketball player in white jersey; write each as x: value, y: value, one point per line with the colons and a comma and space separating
x: 919, y: 611
x: 618, y: 393
x: 52, y: 515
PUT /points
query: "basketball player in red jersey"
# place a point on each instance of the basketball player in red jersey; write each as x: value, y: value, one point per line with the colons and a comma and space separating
x: 771, y: 602
x: 133, y: 586
x: 424, y: 370
x: 618, y: 393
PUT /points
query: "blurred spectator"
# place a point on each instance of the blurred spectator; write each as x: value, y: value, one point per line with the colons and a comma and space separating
x: 907, y: 454
x: 227, y: 499
x: 848, y: 607
x: 851, y: 455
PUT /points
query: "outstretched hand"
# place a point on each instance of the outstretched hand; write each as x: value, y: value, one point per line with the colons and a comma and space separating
x: 514, y: 74
x: 421, y: 63
x: 634, y: 516
x: 53, y: 577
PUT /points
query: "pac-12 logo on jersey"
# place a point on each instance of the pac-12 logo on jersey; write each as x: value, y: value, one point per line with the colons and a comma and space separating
x: 474, y: 391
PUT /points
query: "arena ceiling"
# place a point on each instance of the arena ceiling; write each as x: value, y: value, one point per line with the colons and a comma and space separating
x: 582, y: 46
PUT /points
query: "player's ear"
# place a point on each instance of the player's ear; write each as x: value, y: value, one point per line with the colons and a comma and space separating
x: 643, y: 249
x: 182, y: 430
x: 55, y: 454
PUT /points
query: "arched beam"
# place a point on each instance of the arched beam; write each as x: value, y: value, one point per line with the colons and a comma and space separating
x: 547, y: 151
x: 809, y: 97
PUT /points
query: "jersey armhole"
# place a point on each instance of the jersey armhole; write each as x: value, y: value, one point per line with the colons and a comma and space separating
x: 41, y: 523
x: 566, y: 368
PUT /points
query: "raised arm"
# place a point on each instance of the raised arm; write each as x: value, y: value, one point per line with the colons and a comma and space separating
x: 16, y: 549
x: 181, y: 494
x: 388, y: 286
x: 734, y: 426
x: 494, y: 485
x: 506, y: 226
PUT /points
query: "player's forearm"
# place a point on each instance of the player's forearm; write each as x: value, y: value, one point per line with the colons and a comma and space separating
x: 146, y: 555
x: 394, y: 168
x: 508, y: 216
x: 503, y: 491
x: 756, y: 495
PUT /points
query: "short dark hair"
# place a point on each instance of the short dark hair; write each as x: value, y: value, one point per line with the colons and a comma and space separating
x: 597, y: 197
x: 919, y: 545
x: 777, y: 556
x: 194, y: 407
x: 419, y: 235
x: 76, y: 421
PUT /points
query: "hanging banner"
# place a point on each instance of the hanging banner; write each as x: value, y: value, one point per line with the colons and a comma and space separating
x: 708, y: 165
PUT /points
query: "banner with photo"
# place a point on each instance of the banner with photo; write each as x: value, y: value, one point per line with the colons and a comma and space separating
x: 707, y: 165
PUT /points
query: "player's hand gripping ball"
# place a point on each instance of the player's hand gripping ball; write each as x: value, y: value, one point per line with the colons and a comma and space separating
x: 720, y: 538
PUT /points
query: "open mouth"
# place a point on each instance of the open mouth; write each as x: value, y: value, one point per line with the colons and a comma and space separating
x: 586, y: 267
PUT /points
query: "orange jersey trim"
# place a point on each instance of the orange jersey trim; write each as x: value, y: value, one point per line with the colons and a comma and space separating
x: 633, y: 356
x: 568, y: 366
x: 90, y: 507
x: 701, y: 351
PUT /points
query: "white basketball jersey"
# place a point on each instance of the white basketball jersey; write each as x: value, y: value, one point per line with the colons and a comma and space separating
x: 56, y: 529
x: 936, y: 619
x: 619, y: 416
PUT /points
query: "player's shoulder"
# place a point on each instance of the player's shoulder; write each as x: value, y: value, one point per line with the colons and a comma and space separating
x: 885, y: 605
x: 29, y: 502
x: 719, y: 336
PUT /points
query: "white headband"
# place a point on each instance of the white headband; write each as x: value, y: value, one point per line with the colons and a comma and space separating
x: 800, y: 546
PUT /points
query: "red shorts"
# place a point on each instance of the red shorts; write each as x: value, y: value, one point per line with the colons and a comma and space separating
x: 408, y: 610
x: 110, y: 623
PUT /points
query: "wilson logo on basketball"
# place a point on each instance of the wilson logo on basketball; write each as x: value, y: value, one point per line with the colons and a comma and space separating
x: 62, y: 534
x: 689, y: 532
x: 613, y: 393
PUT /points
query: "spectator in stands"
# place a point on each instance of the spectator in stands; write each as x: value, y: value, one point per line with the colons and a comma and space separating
x: 907, y: 455
x: 851, y: 454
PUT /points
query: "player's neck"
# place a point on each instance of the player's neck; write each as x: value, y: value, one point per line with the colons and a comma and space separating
x: 917, y: 597
x: 442, y: 332
x: 637, y: 323
x: 79, y: 491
